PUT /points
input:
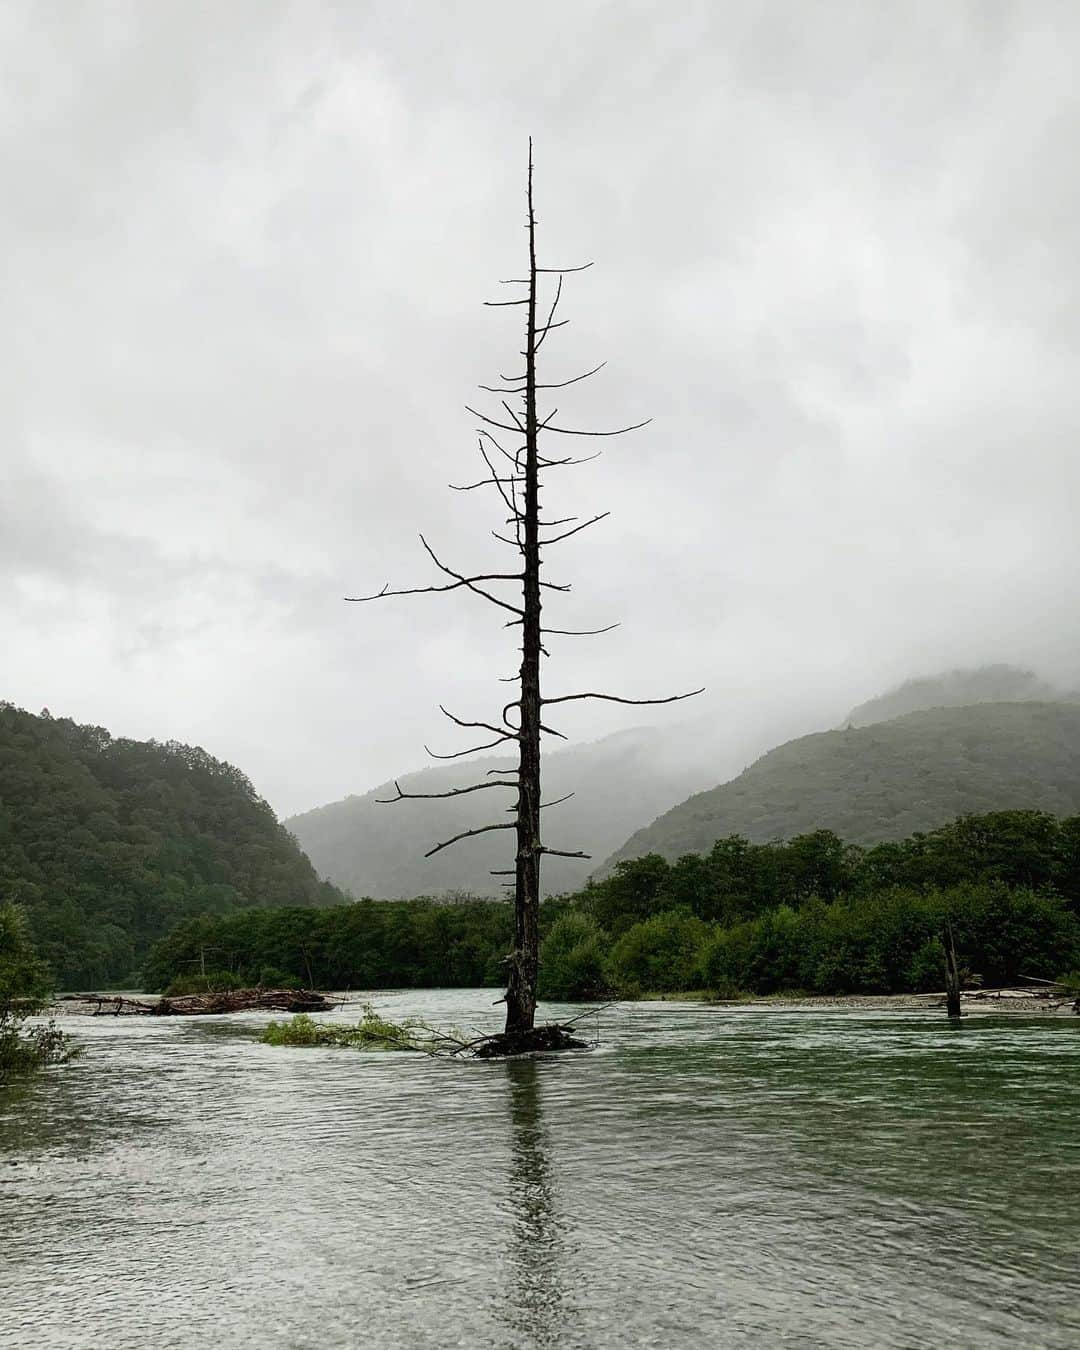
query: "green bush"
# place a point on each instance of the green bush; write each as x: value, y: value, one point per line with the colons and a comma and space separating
x: 372, y: 1033
x: 572, y: 959
x: 213, y: 982
x: 270, y: 977
x: 24, y: 990
x: 661, y: 954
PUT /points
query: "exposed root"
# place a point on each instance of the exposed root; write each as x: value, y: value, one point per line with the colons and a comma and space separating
x: 534, y: 1041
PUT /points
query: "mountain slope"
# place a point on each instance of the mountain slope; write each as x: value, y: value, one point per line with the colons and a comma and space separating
x: 887, y: 780
x: 958, y: 689
x: 378, y: 850
x: 109, y: 843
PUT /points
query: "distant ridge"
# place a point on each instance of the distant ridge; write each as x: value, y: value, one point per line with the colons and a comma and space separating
x: 886, y: 780
x: 959, y: 689
x: 378, y: 850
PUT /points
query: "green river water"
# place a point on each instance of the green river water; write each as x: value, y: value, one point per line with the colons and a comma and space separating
x: 705, y: 1177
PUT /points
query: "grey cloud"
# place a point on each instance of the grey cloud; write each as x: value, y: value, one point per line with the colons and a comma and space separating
x: 244, y: 255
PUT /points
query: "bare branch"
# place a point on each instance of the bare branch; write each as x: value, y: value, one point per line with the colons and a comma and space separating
x: 426, y: 796
x: 468, y: 581
x: 547, y: 328
x: 513, y: 414
x: 557, y: 802
x: 484, y: 726
x: 468, y: 834
x: 580, y: 632
x: 576, y: 530
x: 501, y: 304
x: 459, y: 754
x: 562, y: 384
x: 620, y: 431
x: 514, y: 543
x: 503, y: 426
x: 459, y: 580
x: 611, y: 698
x: 481, y: 482
x: 562, y: 853
x: 570, y: 459
x: 543, y: 332
x: 508, y: 500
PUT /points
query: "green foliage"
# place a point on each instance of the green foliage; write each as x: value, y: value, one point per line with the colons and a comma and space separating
x: 213, y: 982
x: 813, y: 913
x: 371, y: 1033
x: 661, y: 954
x: 886, y: 781
x: 890, y: 943
x: 108, y: 843
x: 24, y: 988
x: 367, y: 945
x: 572, y: 959
x: 24, y: 980
x: 24, y: 1052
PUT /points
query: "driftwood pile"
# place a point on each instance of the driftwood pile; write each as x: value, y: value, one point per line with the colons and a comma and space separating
x: 222, y: 1001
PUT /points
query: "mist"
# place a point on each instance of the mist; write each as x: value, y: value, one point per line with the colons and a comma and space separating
x: 246, y: 252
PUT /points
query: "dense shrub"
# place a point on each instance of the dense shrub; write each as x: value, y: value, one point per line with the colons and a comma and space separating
x: 661, y: 954
x: 24, y: 988
x: 572, y: 959
x: 891, y: 942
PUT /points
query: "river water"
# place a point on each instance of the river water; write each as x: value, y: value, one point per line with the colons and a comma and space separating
x: 705, y: 1177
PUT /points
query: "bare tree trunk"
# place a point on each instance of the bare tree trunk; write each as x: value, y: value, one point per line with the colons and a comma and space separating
x: 525, y: 958
x: 952, y: 975
x: 514, y: 473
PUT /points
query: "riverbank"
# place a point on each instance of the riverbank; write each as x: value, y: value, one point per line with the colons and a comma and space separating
x: 1026, y: 1002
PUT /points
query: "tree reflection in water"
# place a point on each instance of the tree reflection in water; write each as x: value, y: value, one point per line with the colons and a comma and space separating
x: 535, y: 1308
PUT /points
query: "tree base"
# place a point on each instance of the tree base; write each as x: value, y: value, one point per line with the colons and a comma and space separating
x: 534, y: 1041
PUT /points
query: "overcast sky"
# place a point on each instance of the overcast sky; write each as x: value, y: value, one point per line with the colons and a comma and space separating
x: 245, y: 247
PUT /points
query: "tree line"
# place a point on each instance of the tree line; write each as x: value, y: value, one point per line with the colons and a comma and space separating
x: 812, y: 913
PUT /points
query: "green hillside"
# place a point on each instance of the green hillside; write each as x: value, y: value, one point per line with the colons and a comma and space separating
x: 887, y: 780
x: 108, y: 844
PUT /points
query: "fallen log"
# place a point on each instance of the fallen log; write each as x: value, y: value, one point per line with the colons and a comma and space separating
x: 115, y: 1005
x: 244, y: 1000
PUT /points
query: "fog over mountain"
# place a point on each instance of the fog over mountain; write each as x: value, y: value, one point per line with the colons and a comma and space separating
x: 246, y: 248
x: 668, y: 788
x: 885, y: 780
x: 959, y: 689
x: 373, y: 846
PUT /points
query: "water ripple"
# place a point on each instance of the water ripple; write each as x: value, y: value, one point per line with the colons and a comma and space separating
x: 705, y: 1178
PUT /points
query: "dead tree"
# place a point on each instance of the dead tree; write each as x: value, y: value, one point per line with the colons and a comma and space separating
x: 514, y: 466
x: 952, y: 973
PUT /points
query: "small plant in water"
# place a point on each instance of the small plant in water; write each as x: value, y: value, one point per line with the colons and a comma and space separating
x: 371, y: 1033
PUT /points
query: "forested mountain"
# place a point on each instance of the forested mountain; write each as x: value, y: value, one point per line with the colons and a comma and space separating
x: 887, y: 780
x: 109, y: 843
x: 378, y: 850
x: 959, y: 689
